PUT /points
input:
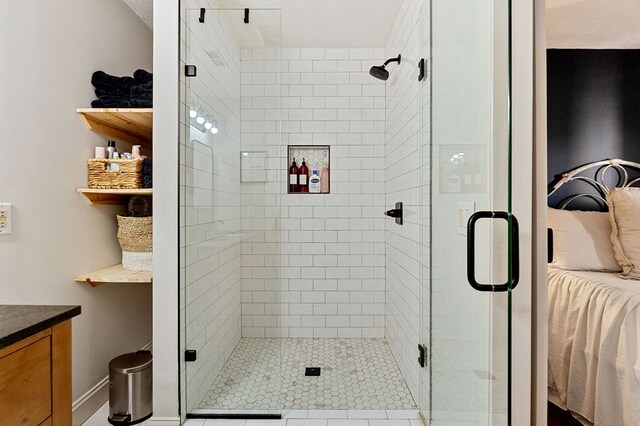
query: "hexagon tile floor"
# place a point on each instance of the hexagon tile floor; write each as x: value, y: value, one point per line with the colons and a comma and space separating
x: 269, y: 374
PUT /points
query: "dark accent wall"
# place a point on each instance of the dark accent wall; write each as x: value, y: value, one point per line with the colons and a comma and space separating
x: 593, y: 107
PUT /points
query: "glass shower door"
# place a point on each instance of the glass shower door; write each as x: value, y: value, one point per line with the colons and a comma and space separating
x: 229, y: 216
x: 473, y: 235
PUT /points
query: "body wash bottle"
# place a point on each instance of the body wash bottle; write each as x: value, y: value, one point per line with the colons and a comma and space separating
x: 314, y: 182
x: 303, y: 177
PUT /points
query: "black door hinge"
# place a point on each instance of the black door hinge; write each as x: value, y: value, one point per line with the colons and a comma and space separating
x: 421, y: 67
x: 190, y: 355
x: 246, y: 16
x: 201, y: 18
x: 190, y: 70
x: 422, y: 356
x: 549, y: 245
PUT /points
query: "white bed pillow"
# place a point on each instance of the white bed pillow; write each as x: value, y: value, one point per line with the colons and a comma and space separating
x: 582, y: 241
x: 624, y: 213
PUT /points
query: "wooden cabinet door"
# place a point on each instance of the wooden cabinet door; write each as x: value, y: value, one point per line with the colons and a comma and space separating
x: 25, y: 385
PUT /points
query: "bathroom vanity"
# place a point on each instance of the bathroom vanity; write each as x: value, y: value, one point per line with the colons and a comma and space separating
x: 35, y: 364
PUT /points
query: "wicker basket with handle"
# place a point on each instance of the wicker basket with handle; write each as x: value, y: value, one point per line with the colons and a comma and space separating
x: 128, y: 177
x: 135, y: 235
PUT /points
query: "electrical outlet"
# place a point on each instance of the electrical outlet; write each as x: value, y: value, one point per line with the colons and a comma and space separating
x: 5, y: 218
x: 465, y: 210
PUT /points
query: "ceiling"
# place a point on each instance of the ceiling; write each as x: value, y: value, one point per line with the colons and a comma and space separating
x: 588, y: 24
x: 310, y: 23
x: 142, y: 8
x: 593, y: 24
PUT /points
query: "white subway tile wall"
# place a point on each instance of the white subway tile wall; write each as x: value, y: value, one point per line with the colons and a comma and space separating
x: 314, y: 265
x: 407, y: 178
x: 210, y: 251
x: 259, y: 262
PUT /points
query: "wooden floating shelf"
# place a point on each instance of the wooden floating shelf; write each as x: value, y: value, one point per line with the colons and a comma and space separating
x: 130, y: 124
x: 115, y: 274
x: 111, y: 196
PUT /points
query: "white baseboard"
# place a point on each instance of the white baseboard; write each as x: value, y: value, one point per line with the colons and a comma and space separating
x: 94, y: 398
x: 163, y: 421
x: 90, y: 402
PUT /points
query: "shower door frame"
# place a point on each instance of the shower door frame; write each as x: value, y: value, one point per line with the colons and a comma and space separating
x: 197, y: 17
x: 524, y: 396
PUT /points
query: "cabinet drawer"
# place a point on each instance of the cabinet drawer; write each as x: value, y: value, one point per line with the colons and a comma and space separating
x: 25, y: 385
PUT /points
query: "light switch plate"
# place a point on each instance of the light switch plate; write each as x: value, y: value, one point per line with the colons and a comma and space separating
x: 465, y: 210
x: 5, y: 218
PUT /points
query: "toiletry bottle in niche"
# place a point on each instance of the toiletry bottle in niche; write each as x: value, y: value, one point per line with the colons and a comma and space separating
x: 293, y: 177
x: 324, y: 179
x: 314, y: 182
x: 303, y: 177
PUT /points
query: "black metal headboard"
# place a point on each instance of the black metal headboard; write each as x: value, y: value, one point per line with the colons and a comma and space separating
x: 586, y: 187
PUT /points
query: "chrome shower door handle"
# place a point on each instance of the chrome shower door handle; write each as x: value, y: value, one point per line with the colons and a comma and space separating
x: 514, y: 265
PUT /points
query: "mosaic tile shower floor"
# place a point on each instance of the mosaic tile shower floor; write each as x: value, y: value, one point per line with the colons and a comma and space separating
x: 269, y: 374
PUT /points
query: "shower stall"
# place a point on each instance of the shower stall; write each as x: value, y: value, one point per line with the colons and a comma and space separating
x: 295, y: 300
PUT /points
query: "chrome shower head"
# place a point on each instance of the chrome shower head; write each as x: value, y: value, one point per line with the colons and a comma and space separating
x: 380, y: 72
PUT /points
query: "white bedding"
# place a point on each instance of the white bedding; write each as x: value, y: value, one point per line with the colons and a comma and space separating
x: 594, y: 346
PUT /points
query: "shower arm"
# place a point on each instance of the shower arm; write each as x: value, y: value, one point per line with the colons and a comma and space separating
x: 388, y: 61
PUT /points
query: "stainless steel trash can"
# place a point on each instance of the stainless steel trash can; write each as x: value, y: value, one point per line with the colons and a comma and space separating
x: 130, y: 384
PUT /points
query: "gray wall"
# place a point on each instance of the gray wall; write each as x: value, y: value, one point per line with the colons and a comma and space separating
x: 48, y: 52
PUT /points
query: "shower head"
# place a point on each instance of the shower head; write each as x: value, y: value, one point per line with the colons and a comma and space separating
x: 380, y: 72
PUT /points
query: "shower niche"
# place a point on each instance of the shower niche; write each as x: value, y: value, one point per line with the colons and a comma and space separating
x: 300, y: 176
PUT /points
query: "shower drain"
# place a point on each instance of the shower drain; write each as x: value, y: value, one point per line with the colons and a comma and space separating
x: 312, y: 371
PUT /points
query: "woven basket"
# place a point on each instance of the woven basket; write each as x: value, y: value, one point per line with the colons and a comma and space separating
x: 135, y: 234
x: 128, y: 177
x: 137, y: 261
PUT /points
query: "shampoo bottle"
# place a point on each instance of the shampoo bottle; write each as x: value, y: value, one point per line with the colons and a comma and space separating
x: 314, y: 182
x: 293, y: 177
x: 303, y: 177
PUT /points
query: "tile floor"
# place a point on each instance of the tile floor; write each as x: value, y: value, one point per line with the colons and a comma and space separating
x: 269, y: 373
x: 300, y: 418
x: 326, y: 418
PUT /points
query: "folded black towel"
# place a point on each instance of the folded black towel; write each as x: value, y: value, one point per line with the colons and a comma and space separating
x: 123, y: 92
x: 112, y: 102
x: 142, y: 96
x: 144, y: 88
x: 142, y: 76
x: 147, y: 173
x: 109, y: 85
x: 119, y: 102
x: 141, y: 103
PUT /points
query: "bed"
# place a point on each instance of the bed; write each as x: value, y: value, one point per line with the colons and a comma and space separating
x: 594, y: 323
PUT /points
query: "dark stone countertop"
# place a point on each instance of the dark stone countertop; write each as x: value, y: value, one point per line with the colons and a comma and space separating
x: 18, y: 322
